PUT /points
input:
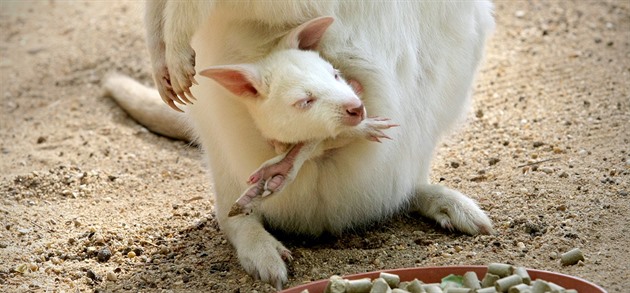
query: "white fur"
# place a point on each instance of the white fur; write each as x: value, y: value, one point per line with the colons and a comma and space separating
x: 416, y: 61
x: 284, y: 79
x: 290, y: 87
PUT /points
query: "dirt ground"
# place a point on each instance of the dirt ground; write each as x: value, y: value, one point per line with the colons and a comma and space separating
x: 92, y: 201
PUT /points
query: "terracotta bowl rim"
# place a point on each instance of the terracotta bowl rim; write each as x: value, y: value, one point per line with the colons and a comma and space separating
x: 479, y: 269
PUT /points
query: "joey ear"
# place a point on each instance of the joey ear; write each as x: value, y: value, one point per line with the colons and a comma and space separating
x: 307, y: 35
x: 241, y: 80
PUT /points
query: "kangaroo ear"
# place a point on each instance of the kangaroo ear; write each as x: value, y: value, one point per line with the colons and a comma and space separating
x: 241, y: 80
x: 307, y: 35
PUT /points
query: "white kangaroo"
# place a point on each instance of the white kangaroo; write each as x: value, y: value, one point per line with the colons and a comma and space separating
x: 292, y: 87
x: 415, y: 61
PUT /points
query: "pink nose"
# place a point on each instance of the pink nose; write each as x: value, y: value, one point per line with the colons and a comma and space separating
x: 356, y: 111
x: 355, y: 115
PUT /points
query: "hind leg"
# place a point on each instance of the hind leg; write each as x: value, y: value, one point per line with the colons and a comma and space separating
x: 451, y: 209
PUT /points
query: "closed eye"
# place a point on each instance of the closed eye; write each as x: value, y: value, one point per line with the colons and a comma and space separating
x: 305, y: 103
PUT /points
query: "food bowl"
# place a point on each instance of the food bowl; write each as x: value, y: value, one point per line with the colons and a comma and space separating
x: 435, y: 275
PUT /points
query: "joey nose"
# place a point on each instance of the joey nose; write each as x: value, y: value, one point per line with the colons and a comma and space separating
x: 354, y: 115
x: 356, y: 111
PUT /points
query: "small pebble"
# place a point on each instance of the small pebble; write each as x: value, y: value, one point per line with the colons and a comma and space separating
x: 90, y: 274
x: 33, y: 267
x: 164, y: 250
x: 377, y: 262
x: 92, y: 251
x: 104, y: 254
x: 55, y: 260
x: 22, y: 268
x: 138, y: 251
x: 98, y: 239
x: 131, y: 254
x: 23, y: 231
x: 111, y: 276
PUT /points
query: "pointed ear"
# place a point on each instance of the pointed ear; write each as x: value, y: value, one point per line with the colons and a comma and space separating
x: 307, y: 35
x: 241, y: 80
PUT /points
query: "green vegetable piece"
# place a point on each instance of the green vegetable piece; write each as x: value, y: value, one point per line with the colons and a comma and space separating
x: 452, y: 281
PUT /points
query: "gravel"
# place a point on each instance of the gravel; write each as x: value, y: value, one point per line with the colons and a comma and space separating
x: 543, y: 151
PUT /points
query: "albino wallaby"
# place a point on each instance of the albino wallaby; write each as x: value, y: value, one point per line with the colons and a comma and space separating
x: 415, y: 61
x: 289, y: 88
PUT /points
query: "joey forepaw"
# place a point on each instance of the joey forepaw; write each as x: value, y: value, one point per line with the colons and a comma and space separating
x: 372, y: 128
x: 271, y: 177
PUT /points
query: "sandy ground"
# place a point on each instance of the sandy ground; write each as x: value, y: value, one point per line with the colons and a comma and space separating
x: 92, y: 201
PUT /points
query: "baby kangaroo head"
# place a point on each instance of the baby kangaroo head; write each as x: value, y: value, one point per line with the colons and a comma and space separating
x: 306, y: 99
x: 293, y: 94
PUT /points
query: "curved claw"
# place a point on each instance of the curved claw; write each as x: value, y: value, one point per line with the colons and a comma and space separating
x: 183, y: 97
x: 171, y: 104
x: 189, y: 96
x: 173, y: 96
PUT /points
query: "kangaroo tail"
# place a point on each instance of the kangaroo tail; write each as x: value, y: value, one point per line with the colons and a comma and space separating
x: 145, y: 106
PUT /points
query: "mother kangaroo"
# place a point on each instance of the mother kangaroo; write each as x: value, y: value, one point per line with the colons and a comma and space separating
x: 415, y: 61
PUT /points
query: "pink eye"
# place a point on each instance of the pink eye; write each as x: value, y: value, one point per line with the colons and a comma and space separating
x: 304, y: 103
